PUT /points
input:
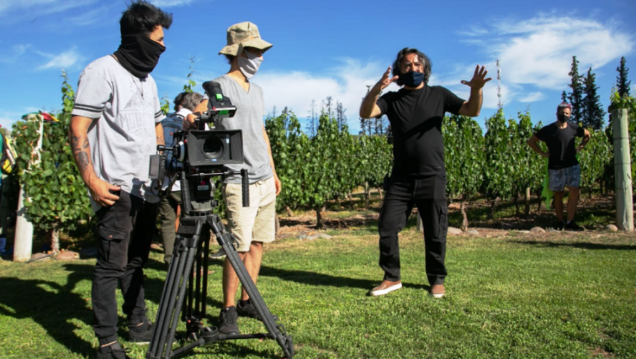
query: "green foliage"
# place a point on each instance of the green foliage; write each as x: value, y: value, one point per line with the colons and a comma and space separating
x: 592, y: 110
x: 165, y: 104
x: 622, y: 84
x: 290, y: 148
x: 576, y: 96
x: 190, y: 83
x: 375, y: 159
x: 463, y: 155
x: 530, y: 168
x: 56, y: 192
x: 500, y: 168
x: 594, y: 159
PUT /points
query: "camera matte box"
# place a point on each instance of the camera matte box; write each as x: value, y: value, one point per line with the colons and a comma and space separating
x: 215, y: 147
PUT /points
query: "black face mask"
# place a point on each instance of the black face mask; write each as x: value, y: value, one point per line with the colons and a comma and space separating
x: 139, y: 54
x: 563, y: 118
x: 411, y: 79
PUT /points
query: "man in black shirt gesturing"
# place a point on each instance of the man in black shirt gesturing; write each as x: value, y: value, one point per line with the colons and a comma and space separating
x: 419, y: 175
x: 563, y: 167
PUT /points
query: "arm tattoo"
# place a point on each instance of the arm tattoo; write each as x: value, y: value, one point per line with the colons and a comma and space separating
x: 160, y: 141
x: 81, y: 155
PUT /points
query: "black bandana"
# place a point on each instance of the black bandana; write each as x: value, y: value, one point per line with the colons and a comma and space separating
x: 139, y: 54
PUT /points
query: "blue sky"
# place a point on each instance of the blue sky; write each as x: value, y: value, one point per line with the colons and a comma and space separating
x: 329, y: 48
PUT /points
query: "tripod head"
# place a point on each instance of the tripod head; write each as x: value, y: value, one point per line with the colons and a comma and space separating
x: 197, y: 191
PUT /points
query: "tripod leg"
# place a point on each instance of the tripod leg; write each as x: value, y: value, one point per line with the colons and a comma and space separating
x: 226, y: 240
x: 174, y: 289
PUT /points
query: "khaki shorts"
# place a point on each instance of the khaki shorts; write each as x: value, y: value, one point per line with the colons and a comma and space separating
x: 255, y: 223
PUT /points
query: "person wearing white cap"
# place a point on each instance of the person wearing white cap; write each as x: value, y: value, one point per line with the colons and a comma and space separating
x: 254, y: 225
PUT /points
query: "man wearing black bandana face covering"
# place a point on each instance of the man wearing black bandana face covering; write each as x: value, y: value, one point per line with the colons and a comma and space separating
x: 419, y: 175
x: 116, y: 126
x: 563, y: 166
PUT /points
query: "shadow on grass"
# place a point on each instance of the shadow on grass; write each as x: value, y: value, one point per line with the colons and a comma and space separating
x: 581, y: 245
x: 51, y: 305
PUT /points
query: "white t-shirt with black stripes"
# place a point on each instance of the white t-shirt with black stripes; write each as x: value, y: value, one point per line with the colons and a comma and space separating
x: 122, y: 137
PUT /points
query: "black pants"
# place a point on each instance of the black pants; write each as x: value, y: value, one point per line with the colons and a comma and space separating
x: 429, y: 195
x: 124, y: 234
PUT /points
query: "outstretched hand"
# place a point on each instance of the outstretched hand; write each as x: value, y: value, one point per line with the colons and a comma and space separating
x: 479, y: 78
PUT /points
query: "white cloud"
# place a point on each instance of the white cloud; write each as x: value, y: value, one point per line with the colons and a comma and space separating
x: 65, y: 60
x: 532, y: 97
x: 539, y: 51
x: 16, y: 52
x: 34, y: 8
x: 346, y: 84
x: 536, y: 54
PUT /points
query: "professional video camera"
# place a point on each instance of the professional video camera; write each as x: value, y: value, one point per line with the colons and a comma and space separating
x: 197, y: 156
x: 200, y: 153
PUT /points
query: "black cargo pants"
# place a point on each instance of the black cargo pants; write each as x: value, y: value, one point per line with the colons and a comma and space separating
x: 124, y: 233
x: 429, y: 195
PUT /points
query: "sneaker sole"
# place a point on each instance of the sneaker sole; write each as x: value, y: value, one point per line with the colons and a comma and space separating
x: 385, y: 291
x: 437, y: 295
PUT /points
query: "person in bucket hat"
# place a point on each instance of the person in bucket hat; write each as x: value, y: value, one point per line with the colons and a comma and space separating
x: 255, y: 225
x: 243, y: 35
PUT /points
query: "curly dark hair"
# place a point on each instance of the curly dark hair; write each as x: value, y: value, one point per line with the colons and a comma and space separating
x: 423, y: 58
x: 143, y: 17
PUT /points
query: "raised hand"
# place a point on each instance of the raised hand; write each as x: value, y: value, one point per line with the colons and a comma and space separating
x: 479, y: 78
x: 385, y: 81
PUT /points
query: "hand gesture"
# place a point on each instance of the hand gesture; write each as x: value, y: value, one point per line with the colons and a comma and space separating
x: 479, y: 78
x: 385, y: 81
x: 100, y: 192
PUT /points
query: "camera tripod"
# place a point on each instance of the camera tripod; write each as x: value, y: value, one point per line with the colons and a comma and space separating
x: 185, y: 289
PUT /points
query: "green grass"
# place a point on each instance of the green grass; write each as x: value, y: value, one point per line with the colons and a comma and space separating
x: 517, y: 296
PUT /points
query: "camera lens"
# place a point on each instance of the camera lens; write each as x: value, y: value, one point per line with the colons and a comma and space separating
x: 213, y: 147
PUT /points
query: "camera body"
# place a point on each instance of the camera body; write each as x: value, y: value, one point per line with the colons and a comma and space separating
x: 200, y: 154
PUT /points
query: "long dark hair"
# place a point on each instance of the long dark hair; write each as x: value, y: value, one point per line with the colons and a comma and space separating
x: 423, y: 58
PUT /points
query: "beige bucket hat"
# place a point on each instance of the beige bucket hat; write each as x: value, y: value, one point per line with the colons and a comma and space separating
x: 242, y: 35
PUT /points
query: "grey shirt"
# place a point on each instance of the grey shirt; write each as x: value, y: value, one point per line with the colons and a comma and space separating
x: 122, y: 137
x: 250, y: 110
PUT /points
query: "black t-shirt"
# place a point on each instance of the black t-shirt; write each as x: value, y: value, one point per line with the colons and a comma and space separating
x: 416, y: 123
x: 560, y: 142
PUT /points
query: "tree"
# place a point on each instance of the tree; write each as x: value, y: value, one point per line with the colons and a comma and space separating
x: 621, y: 80
x: 312, y: 122
x: 593, y: 159
x: 564, y: 97
x: 499, y: 167
x: 576, y: 96
x: 592, y: 109
x: 464, y: 158
x: 289, y: 148
x: 57, y: 197
x: 341, y: 118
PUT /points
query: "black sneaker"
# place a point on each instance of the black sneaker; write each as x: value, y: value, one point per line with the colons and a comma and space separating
x: 139, y: 333
x: 559, y: 225
x: 572, y: 226
x: 114, y: 351
x: 227, y: 319
x: 247, y: 309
